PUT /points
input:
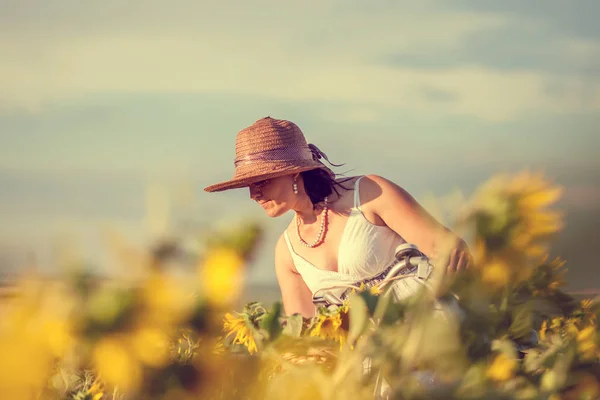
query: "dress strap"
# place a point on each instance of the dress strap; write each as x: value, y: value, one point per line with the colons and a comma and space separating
x: 289, y: 244
x: 357, y: 194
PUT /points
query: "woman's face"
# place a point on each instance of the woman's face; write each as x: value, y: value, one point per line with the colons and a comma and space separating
x: 276, y: 195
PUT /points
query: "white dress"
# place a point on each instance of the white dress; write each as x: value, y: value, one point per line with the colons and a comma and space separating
x: 365, y: 250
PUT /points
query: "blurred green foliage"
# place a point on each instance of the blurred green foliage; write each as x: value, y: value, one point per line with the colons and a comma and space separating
x: 501, y: 330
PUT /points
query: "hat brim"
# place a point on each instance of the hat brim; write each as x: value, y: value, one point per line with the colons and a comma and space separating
x: 242, y: 182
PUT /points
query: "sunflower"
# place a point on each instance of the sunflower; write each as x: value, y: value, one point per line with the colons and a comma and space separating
x: 243, y: 335
x: 502, y: 368
x: 586, y: 304
x: 496, y: 273
x: 587, y: 344
x: 376, y: 290
x: 117, y: 364
x: 514, y: 224
x: 218, y: 346
x: 332, y: 326
x: 543, y: 330
x: 548, y: 277
x: 96, y: 391
x: 221, y: 275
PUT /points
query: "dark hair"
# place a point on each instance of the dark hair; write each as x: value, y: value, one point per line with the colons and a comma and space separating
x: 319, y: 184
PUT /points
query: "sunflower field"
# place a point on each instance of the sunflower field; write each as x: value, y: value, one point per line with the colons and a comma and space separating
x: 503, y: 329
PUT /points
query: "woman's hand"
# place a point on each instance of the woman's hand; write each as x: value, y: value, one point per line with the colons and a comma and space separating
x: 460, y: 259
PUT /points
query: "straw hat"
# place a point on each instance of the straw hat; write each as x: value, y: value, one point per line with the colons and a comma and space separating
x: 267, y: 149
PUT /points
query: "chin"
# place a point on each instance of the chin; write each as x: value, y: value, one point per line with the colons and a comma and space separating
x: 274, y: 212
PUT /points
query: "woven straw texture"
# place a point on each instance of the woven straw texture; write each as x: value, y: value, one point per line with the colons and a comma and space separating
x: 267, y: 149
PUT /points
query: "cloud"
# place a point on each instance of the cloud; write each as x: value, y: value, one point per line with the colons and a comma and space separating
x: 290, y: 52
x: 351, y: 114
x: 512, y: 47
x: 438, y: 95
x: 577, y: 18
x: 193, y: 135
x: 42, y: 193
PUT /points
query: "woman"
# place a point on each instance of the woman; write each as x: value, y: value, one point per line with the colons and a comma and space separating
x: 344, y: 230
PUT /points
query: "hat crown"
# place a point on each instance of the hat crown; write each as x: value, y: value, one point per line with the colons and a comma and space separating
x: 268, y: 135
x: 270, y: 148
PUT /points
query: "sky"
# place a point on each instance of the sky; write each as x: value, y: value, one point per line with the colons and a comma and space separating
x: 103, y: 102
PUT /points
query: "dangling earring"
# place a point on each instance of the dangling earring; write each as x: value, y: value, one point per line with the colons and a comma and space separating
x: 295, y: 186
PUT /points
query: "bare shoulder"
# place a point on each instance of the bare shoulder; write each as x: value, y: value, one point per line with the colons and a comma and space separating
x: 376, y: 188
x: 378, y: 180
x: 400, y: 211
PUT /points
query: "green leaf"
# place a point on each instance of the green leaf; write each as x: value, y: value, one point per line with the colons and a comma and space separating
x: 252, y: 307
x: 474, y: 381
x: 370, y: 300
x: 555, y: 378
x: 522, y: 322
x: 293, y: 326
x: 382, y: 306
x: 505, y: 346
x: 394, y: 313
x: 270, y: 322
x: 359, y: 316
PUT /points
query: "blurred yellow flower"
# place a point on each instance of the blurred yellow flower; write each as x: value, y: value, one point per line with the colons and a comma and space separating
x: 586, y: 304
x: 243, y: 335
x: 513, y: 225
x: 25, y: 363
x: 42, y: 345
x: 105, y: 304
x: 502, y: 368
x: 167, y: 303
x: 26, y: 350
x: 543, y: 330
x: 219, y: 347
x: 534, y: 198
x: 571, y: 328
x: 221, y: 276
x: 586, y: 343
x: 150, y: 345
x: 586, y: 334
x: 96, y: 391
x: 557, y: 323
x: 376, y: 290
x: 496, y: 274
x: 186, y: 347
x: 58, y: 336
x: 116, y: 365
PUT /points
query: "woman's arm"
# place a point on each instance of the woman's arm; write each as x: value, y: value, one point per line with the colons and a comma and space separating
x: 297, y: 297
x: 403, y: 214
